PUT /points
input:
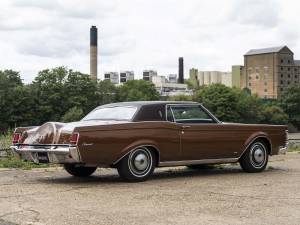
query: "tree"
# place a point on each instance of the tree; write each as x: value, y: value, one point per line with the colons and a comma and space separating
x: 137, y: 90
x: 229, y: 104
x: 273, y: 114
x: 290, y: 103
x: 11, y: 89
x: 73, y: 114
x: 106, y: 92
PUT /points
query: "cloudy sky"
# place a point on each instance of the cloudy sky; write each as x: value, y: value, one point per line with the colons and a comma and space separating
x: 142, y: 34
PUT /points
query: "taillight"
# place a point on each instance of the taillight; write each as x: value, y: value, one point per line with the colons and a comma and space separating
x: 16, y: 138
x: 74, y: 139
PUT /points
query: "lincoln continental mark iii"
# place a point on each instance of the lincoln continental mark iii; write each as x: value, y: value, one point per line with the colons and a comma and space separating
x: 136, y: 137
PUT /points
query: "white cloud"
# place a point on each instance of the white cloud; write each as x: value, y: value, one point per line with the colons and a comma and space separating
x: 141, y: 34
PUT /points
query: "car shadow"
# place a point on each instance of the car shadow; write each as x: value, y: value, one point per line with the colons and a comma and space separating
x: 159, y: 174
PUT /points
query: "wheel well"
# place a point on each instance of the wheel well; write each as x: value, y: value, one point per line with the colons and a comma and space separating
x: 156, y: 153
x: 267, y: 143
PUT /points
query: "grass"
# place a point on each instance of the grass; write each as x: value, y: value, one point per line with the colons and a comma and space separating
x: 11, y: 160
x: 294, y: 148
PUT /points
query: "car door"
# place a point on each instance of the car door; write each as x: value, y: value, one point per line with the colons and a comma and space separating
x: 202, y: 136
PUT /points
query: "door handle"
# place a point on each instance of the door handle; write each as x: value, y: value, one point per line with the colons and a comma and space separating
x: 185, y: 126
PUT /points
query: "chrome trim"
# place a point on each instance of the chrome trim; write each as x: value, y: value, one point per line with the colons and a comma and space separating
x: 140, y: 146
x: 197, y: 162
x: 56, y: 154
x: 251, y: 142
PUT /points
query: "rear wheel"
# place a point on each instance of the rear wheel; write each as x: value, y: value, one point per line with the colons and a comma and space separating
x: 255, y: 159
x: 79, y: 171
x: 138, y: 165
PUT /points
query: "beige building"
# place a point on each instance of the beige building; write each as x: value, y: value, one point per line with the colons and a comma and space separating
x: 211, y: 77
x: 268, y: 72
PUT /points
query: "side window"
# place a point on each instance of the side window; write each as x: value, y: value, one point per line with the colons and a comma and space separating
x: 169, y: 114
x: 191, y: 114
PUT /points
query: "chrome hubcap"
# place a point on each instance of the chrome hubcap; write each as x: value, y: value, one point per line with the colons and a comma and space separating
x: 141, y: 162
x: 259, y: 155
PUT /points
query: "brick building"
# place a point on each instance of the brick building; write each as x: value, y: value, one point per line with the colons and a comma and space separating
x: 269, y: 71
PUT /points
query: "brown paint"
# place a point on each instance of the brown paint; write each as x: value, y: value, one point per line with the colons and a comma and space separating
x: 106, y: 142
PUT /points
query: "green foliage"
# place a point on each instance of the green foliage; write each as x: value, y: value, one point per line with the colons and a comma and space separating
x: 60, y: 94
x: 73, y: 114
x: 137, y: 90
x: 290, y: 103
x: 235, y: 105
x: 15, y: 162
x: 273, y: 114
x: 228, y: 104
x: 180, y: 98
x: 11, y: 160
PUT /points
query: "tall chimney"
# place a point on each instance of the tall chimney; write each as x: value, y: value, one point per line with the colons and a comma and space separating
x: 93, y: 52
x: 180, y: 71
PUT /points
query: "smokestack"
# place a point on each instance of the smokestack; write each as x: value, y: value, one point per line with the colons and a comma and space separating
x: 180, y: 71
x: 93, y: 52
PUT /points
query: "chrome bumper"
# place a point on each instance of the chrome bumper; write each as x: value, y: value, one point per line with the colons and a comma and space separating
x: 48, y: 153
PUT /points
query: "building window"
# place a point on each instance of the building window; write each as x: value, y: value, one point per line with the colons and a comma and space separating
x: 296, y: 69
x: 266, y: 83
x: 266, y: 90
x: 249, y: 77
x: 281, y: 75
x: 289, y: 61
x: 281, y: 82
x: 281, y: 60
x: 281, y: 68
x: 281, y: 89
x: 289, y: 68
x: 249, y: 84
x: 288, y: 82
x: 296, y: 76
x: 257, y: 77
x: 289, y: 75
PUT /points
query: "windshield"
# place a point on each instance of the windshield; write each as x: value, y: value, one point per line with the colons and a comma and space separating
x: 112, y: 113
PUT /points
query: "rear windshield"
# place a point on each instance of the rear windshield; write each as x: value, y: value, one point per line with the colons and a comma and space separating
x: 112, y: 113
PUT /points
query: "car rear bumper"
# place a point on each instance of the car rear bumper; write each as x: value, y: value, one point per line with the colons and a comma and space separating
x: 48, y: 153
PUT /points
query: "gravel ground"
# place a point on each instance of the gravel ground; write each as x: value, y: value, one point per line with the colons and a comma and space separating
x: 172, y: 196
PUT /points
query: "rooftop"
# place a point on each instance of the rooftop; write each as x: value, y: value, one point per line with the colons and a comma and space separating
x: 297, y: 62
x: 266, y: 50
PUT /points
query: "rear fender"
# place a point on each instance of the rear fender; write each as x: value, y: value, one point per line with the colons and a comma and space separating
x: 134, y: 145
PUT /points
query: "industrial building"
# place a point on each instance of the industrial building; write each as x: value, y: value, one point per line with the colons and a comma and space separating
x: 268, y: 72
x: 112, y: 76
x: 126, y: 76
x: 148, y: 74
x: 200, y: 78
x: 172, y: 78
x: 93, y: 52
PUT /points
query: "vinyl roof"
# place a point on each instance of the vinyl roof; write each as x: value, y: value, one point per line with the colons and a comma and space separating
x: 266, y: 50
x: 141, y: 103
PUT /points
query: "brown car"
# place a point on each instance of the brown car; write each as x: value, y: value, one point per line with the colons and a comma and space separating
x: 136, y: 137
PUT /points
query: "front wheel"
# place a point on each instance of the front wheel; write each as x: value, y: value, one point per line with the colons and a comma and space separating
x: 79, y: 171
x: 138, y: 165
x: 255, y: 159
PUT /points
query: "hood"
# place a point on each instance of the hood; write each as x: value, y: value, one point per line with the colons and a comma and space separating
x: 57, y: 133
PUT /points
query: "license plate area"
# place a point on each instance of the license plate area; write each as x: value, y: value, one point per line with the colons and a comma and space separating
x: 43, y: 157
